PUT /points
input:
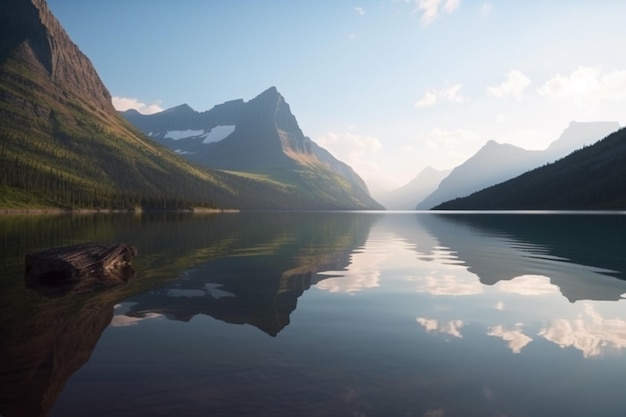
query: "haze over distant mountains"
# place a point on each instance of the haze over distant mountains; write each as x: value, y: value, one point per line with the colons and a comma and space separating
x: 591, y: 178
x: 63, y: 145
x: 496, y: 162
x: 407, y: 196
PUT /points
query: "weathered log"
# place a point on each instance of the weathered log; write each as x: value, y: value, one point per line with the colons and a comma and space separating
x: 109, y: 262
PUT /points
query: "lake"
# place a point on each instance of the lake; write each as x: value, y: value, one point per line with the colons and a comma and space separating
x: 322, y: 314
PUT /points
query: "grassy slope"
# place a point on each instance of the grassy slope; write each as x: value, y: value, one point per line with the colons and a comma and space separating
x: 56, y: 150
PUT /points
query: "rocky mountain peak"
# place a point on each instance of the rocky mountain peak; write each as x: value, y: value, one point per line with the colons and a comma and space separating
x: 580, y: 134
x: 34, y: 38
x: 180, y: 109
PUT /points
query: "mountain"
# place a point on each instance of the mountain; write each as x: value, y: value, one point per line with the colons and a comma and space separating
x: 578, y: 135
x: 407, y: 196
x: 260, y: 136
x: 588, y: 179
x: 496, y: 162
x: 493, y: 163
x: 63, y: 145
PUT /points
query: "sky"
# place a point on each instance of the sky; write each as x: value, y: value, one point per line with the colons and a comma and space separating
x: 387, y: 86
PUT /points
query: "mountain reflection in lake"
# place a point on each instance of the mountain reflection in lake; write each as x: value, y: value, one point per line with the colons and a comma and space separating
x: 316, y: 314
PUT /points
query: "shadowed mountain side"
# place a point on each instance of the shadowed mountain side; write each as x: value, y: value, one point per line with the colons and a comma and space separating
x: 40, y: 352
x: 591, y: 178
x: 495, y: 162
x: 63, y: 145
x: 260, y: 136
x: 410, y: 194
x: 571, y: 250
x: 260, y: 284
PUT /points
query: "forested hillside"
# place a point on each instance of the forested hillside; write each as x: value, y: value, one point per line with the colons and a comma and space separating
x: 591, y: 178
x: 63, y: 145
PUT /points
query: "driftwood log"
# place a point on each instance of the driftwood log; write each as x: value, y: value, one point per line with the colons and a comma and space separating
x: 107, y: 262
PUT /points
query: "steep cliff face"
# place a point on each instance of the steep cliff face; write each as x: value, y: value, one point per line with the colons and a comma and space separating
x: 62, y: 144
x: 35, y: 39
x: 260, y: 136
x: 61, y: 141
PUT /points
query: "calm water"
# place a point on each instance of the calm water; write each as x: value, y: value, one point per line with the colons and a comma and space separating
x: 323, y: 314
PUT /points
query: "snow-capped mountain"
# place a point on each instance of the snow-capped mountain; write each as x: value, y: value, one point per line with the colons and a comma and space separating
x: 260, y: 136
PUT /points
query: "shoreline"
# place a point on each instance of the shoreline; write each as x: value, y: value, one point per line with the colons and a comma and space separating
x: 56, y: 211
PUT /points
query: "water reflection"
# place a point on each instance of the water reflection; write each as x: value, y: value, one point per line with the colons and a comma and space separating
x: 43, y: 345
x: 452, y: 327
x: 260, y: 284
x: 515, y: 338
x: 406, y: 314
x: 589, y: 332
x: 579, y: 254
x: 233, y: 268
x: 533, y: 256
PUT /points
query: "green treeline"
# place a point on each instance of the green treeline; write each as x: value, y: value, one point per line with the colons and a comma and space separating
x: 592, y: 178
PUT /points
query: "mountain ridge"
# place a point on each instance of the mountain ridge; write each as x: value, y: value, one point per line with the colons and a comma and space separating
x: 496, y: 162
x: 63, y: 145
x: 591, y: 178
x: 410, y: 194
x: 260, y: 136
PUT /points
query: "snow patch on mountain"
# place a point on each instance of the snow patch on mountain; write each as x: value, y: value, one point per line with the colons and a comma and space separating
x: 182, y: 134
x: 218, y: 133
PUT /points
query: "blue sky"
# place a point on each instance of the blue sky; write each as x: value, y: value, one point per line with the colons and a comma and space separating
x: 388, y: 86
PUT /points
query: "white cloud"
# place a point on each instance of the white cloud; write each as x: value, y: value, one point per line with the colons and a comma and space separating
x: 450, y: 94
x: 587, y: 86
x: 362, y: 273
x: 515, y: 338
x: 430, y: 9
x: 449, y: 284
x: 528, y: 285
x: 486, y: 9
x: 359, y: 11
x: 349, y: 146
x: 121, y: 320
x: 126, y: 103
x: 449, y: 147
x: 349, y: 284
x: 450, y: 141
x: 590, y: 333
x: 513, y: 86
x: 452, y: 327
x: 356, y: 150
x: 451, y: 5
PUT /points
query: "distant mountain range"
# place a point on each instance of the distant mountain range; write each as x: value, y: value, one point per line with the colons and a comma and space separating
x: 407, y: 196
x: 588, y: 179
x: 62, y: 144
x: 496, y: 162
x: 260, y: 136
